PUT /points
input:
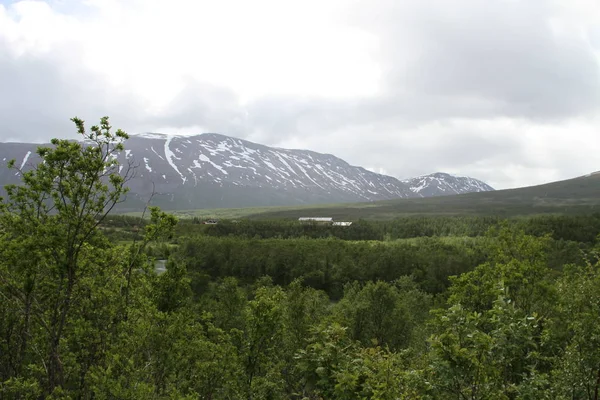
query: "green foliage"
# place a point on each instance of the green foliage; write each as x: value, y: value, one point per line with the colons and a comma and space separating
x: 485, y: 355
x: 173, y: 288
x: 65, y: 289
x: 227, y: 302
x: 335, y: 367
x: 259, y: 343
x: 52, y: 247
x: 375, y: 314
x: 278, y: 310
x: 517, y: 264
x: 304, y: 307
x: 328, y: 264
x: 328, y: 353
x: 577, y: 371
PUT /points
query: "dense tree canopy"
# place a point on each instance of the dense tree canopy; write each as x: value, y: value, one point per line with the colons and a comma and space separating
x: 416, y: 308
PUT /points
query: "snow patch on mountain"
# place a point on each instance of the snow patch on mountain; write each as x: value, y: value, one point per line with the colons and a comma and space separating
x: 146, y: 163
x: 442, y: 184
x: 25, y: 159
x: 170, y: 156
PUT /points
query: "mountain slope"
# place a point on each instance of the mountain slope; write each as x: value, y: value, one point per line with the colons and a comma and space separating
x: 212, y: 170
x: 442, y: 184
x: 573, y: 196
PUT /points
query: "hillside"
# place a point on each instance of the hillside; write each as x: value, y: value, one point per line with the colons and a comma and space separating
x: 212, y: 170
x: 572, y: 196
x: 442, y: 184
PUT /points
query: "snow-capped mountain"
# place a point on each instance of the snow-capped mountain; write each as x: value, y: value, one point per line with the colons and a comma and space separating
x: 442, y: 184
x: 212, y: 170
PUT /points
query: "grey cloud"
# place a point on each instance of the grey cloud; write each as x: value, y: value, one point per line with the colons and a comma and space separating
x: 497, y: 52
x: 277, y: 118
x: 41, y: 93
x: 214, y: 108
x: 437, y: 147
x: 442, y: 61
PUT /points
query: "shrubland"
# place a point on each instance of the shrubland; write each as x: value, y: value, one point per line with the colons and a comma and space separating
x: 413, y: 308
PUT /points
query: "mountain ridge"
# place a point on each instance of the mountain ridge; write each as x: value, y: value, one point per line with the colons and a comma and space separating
x: 442, y: 183
x: 214, y: 170
x: 579, y: 195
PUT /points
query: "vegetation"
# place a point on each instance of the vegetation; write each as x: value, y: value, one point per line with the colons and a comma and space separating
x: 465, y: 307
x: 576, y: 228
x: 577, y: 196
x: 229, y: 213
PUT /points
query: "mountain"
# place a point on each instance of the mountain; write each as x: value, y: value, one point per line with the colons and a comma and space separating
x: 217, y: 171
x: 579, y: 195
x: 442, y: 184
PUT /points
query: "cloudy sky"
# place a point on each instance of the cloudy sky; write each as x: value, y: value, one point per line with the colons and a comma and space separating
x: 507, y: 91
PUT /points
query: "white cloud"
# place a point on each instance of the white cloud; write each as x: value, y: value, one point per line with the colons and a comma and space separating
x: 502, y: 90
x: 255, y: 48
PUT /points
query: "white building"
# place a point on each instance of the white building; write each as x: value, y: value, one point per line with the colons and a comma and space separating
x: 320, y: 220
x: 323, y: 221
x: 342, y: 223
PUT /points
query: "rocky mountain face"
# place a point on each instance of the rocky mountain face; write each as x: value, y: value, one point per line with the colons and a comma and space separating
x: 442, y: 184
x: 212, y: 170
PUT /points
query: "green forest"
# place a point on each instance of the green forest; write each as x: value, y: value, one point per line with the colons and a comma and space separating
x: 416, y: 307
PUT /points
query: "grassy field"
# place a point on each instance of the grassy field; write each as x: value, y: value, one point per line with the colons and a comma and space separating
x: 573, y: 196
x: 234, y: 213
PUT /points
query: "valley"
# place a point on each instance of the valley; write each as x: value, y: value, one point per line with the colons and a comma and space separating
x: 261, y: 305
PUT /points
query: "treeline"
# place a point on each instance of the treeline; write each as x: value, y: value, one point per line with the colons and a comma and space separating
x: 328, y: 264
x: 578, y: 228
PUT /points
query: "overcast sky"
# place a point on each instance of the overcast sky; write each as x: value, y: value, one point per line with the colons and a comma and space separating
x: 506, y: 91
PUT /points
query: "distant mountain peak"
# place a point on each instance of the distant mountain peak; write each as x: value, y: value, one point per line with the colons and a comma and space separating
x: 443, y: 184
x: 440, y: 174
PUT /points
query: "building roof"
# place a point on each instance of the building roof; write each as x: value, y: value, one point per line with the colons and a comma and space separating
x: 316, y: 219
